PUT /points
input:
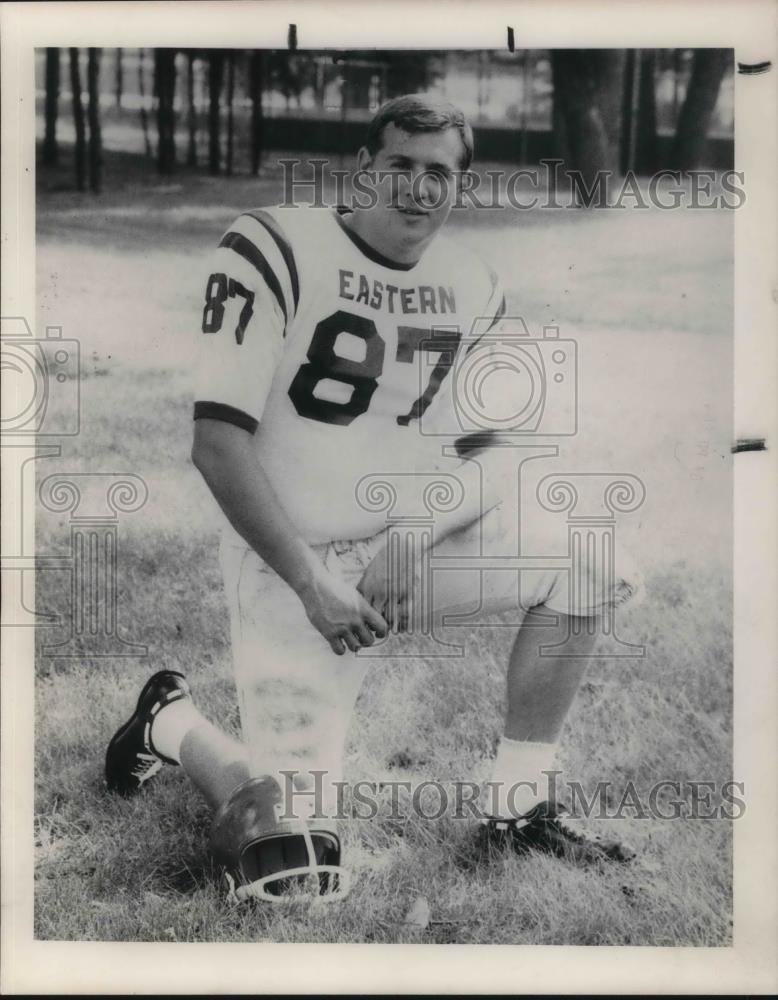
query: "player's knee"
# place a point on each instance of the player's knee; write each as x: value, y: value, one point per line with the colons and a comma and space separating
x: 591, y: 589
x: 618, y: 582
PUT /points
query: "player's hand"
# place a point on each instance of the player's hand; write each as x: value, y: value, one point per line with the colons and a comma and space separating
x: 393, y: 587
x: 341, y: 614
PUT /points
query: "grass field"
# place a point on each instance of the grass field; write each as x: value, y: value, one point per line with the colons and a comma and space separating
x: 648, y: 294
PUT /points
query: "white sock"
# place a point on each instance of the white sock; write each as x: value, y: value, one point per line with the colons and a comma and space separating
x: 170, y: 726
x: 518, y: 781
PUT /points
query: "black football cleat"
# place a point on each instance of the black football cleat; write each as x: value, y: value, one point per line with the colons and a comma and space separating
x: 542, y: 830
x: 131, y: 758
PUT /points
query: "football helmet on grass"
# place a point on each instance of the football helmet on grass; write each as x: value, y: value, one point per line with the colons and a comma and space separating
x: 266, y: 856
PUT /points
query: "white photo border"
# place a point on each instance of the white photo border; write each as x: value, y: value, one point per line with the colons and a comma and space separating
x: 750, y: 964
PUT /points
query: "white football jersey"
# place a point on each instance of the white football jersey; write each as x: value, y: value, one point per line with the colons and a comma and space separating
x: 336, y: 359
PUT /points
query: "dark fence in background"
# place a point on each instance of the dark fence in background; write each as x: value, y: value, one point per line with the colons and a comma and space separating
x: 502, y: 144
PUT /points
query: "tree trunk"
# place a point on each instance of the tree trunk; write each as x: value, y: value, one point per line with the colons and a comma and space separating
x: 191, y: 158
x: 559, y: 128
x: 50, y: 148
x: 691, y: 135
x: 256, y: 76
x: 230, y: 119
x: 356, y: 86
x: 95, y: 139
x: 119, y: 80
x: 587, y: 99
x: 318, y: 82
x: 144, y: 120
x: 158, y: 96
x: 677, y: 65
x: 639, y: 142
x: 647, y: 153
x: 526, y: 96
x: 215, y: 78
x: 170, y: 107
x: 165, y: 85
x: 78, y: 120
x: 629, y: 111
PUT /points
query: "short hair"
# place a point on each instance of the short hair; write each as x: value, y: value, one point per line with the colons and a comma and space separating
x: 417, y: 113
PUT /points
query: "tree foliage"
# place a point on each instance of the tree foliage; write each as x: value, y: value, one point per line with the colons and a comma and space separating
x: 604, y: 101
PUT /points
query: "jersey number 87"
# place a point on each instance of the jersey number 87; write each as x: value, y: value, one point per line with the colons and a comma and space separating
x: 324, y: 363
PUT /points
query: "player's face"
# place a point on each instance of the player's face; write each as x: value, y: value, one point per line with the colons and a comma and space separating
x: 417, y: 177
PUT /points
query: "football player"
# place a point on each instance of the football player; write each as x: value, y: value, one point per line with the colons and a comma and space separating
x: 328, y: 336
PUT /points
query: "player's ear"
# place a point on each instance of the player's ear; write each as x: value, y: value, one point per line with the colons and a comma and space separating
x: 364, y: 159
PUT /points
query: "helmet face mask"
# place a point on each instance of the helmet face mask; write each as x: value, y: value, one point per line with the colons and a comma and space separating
x: 270, y: 859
